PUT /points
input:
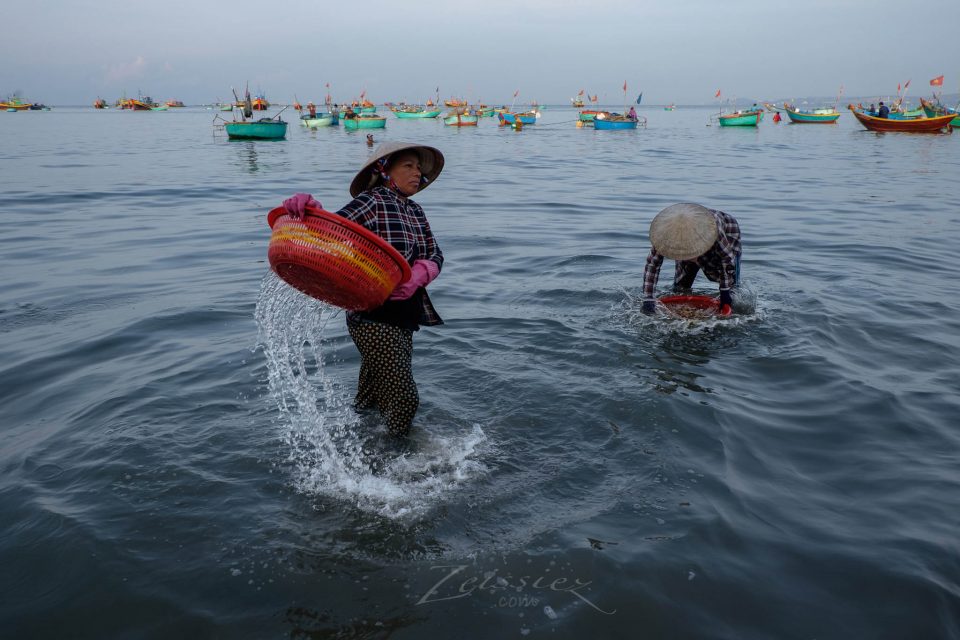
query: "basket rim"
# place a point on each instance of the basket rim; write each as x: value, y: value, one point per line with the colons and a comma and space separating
x: 315, y: 212
x: 698, y: 301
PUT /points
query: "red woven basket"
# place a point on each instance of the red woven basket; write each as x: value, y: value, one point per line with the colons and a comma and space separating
x: 332, y: 259
x: 703, y: 303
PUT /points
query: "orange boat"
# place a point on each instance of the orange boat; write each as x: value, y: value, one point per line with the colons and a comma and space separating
x: 99, y: 103
x: 454, y: 102
x: 936, y: 124
x: 174, y: 103
x: 260, y: 103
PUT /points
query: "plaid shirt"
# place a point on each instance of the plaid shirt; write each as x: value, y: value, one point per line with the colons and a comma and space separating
x: 401, y: 222
x: 719, y: 263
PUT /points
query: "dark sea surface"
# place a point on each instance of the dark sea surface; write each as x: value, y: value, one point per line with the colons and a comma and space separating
x: 180, y: 458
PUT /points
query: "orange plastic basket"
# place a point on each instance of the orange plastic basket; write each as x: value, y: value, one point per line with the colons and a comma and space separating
x: 332, y: 259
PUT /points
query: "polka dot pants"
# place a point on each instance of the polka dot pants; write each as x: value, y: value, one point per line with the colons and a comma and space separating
x: 386, y: 377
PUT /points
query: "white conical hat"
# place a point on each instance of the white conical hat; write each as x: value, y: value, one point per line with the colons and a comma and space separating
x: 431, y: 164
x: 683, y: 231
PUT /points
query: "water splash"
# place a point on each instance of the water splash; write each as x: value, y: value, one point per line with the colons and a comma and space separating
x: 335, y: 452
x: 746, y: 310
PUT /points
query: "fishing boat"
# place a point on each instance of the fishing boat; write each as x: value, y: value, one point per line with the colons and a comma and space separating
x: 483, y: 111
x: 670, y: 107
x: 932, y: 109
x: 455, y: 102
x: 587, y: 115
x: 260, y: 103
x: 320, y: 120
x: 99, y: 103
x: 527, y: 117
x: 159, y: 107
x: 174, y: 104
x: 364, y: 121
x: 936, y: 124
x: 826, y: 115
x: 577, y: 103
x: 611, y: 121
x: 415, y: 112
x: 14, y: 103
x: 461, y: 118
x: 143, y: 104
x: 263, y: 129
x: 741, y: 118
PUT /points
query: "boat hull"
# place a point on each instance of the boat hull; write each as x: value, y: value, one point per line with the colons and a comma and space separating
x: 605, y: 124
x: 375, y: 122
x: 404, y: 115
x: 524, y: 118
x: 812, y: 118
x: 937, y: 124
x: 328, y: 120
x: 746, y: 119
x: 256, y: 130
x: 931, y: 110
x: 460, y: 120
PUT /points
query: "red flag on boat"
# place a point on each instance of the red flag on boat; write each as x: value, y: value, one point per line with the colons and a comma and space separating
x: 594, y: 98
x: 898, y: 87
x: 717, y: 95
x: 906, y: 85
x: 937, y: 82
x: 624, y: 86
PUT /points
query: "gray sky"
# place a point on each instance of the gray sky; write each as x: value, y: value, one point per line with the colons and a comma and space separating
x: 70, y: 52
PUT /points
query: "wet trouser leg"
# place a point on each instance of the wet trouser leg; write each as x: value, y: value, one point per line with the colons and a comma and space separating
x: 685, y: 274
x: 386, y: 374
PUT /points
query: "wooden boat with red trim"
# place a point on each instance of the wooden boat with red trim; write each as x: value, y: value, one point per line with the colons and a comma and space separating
x: 936, y: 124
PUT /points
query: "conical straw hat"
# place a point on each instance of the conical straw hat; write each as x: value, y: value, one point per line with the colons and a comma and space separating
x: 431, y: 164
x: 683, y: 231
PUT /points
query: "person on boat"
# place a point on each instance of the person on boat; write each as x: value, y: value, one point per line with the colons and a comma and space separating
x: 632, y: 114
x: 884, y: 111
x: 696, y: 238
x: 873, y: 110
x: 350, y: 114
x: 312, y: 109
x: 384, y: 336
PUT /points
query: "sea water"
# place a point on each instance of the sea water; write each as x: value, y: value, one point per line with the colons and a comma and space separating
x: 181, y: 457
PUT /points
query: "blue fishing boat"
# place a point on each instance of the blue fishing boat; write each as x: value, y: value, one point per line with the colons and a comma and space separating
x: 614, y: 121
x: 528, y: 117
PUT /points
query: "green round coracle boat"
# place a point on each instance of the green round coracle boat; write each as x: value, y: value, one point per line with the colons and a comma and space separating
x: 815, y: 116
x: 741, y: 119
x: 266, y: 129
x: 364, y: 121
x: 416, y: 114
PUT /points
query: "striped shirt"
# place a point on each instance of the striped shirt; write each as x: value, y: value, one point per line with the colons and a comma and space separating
x: 401, y: 222
x: 719, y: 263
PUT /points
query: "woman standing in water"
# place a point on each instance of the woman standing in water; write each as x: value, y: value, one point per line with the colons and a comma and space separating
x: 384, y: 336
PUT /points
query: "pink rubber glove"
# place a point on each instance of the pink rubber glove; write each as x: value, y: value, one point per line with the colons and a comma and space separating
x: 424, y: 272
x: 297, y: 204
